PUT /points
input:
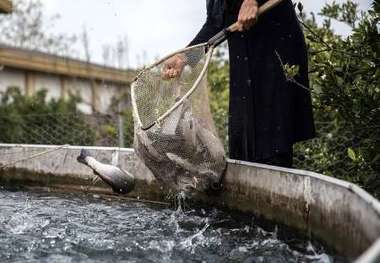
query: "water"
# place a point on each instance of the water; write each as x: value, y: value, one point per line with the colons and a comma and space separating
x: 46, y: 227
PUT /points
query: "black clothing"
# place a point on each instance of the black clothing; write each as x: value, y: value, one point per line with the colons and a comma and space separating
x: 281, y: 159
x: 268, y: 113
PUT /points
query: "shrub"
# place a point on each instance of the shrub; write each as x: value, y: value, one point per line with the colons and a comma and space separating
x: 345, y: 86
x: 33, y: 120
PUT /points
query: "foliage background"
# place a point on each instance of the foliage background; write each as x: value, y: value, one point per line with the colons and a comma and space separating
x: 345, y: 86
x: 36, y: 120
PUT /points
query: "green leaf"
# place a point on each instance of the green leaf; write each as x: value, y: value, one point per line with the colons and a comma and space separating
x: 291, y: 71
x: 351, y: 154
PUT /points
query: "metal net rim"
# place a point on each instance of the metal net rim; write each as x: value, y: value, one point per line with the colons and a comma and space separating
x: 194, y: 87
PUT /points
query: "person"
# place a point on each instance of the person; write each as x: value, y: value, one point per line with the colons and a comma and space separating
x: 268, y: 110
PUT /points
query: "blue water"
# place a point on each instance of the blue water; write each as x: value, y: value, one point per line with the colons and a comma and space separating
x: 51, y: 227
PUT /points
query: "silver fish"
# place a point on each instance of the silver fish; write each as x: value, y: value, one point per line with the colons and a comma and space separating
x: 120, y: 181
x: 190, y: 159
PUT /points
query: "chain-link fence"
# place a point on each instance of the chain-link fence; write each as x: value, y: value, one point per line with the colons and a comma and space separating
x: 72, y: 128
x: 328, y: 149
x: 333, y: 152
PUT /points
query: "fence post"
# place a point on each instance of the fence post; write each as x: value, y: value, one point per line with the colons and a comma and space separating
x: 120, y: 125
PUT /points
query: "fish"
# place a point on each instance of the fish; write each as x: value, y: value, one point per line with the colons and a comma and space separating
x: 118, y: 179
x: 187, y: 157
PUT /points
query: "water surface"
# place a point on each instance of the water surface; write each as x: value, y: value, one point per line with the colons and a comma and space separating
x: 51, y: 227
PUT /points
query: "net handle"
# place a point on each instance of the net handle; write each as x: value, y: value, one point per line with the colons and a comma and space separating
x: 232, y: 28
x: 212, y: 43
x: 224, y: 34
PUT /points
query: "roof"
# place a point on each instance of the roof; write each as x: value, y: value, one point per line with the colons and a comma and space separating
x: 20, y: 58
x: 5, y: 6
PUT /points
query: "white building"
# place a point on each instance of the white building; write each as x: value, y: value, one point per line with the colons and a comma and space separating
x: 98, y: 86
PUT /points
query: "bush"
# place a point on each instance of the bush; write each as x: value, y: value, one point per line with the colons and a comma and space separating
x: 218, y: 78
x: 345, y: 79
x: 128, y: 127
x: 345, y: 85
x: 32, y: 120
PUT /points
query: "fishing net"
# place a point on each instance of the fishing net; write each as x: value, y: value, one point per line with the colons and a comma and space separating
x: 175, y: 135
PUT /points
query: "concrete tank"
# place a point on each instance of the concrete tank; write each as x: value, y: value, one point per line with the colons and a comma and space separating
x: 339, y: 213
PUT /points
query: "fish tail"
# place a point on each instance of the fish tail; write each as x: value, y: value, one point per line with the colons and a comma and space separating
x: 82, y: 156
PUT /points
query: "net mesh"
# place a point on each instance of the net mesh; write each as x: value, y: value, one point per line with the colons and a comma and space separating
x: 183, y: 150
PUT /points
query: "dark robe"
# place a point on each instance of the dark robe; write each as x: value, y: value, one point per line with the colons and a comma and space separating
x: 267, y: 112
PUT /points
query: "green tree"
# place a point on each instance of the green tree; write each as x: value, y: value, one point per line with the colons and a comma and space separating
x: 345, y: 80
x: 32, y: 120
x: 345, y: 86
x: 218, y: 78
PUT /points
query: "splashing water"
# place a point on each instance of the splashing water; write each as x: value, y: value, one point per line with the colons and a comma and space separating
x: 83, y: 228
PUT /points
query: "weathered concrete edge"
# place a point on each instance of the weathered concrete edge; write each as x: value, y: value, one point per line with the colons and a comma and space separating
x: 372, y: 201
x: 344, y: 184
x: 57, y: 167
x: 67, y: 146
x: 319, y: 206
x: 371, y: 255
x: 236, y: 186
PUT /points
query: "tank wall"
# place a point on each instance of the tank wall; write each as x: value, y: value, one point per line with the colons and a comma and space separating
x: 340, y: 213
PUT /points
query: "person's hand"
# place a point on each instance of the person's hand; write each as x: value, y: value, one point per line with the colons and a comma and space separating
x: 247, y: 14
x: 173, y: 66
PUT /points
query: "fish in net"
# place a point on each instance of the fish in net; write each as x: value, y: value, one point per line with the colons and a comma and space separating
x: 182, y: 149
x: 175, y: 135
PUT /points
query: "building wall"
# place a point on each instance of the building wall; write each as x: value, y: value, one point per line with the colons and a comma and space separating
x: 96, y: 96
x: 107, y: 94
x: 48, y: 82
x: 82, y: 89
x: 11, y: 78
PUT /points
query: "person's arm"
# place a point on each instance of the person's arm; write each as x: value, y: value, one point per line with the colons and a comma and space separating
x: 173, y: 66
x: 213, y: 22
x: 247, y: 17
